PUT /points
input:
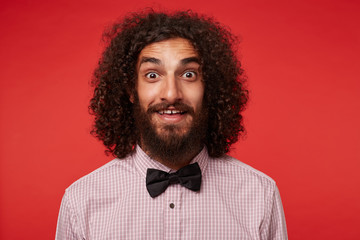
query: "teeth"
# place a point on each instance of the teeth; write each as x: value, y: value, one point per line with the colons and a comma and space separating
x: 169, y: 112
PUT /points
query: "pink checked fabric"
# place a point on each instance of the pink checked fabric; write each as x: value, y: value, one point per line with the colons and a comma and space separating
x: 235, y: 202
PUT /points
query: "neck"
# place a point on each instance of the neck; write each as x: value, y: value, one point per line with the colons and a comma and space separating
x: 177, y: 161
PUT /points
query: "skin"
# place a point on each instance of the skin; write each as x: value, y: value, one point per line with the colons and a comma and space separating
x: 169, y: 72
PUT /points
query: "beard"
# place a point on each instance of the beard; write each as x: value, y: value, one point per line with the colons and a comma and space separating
x: 170, y: 143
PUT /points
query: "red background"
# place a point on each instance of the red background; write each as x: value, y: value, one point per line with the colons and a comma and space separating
x: 302, y: 60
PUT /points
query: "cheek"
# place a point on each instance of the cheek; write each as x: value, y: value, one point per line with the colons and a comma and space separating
x: 146, y: 95
x: 196, y: 95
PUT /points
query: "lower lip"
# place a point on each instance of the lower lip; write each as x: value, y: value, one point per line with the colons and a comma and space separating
x: 173, y: 118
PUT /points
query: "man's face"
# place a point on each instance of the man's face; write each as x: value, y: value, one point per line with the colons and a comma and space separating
x: 170, y: 84
x: 170, y: 89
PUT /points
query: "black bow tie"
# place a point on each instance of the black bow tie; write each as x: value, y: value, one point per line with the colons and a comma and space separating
x: 157, y: 181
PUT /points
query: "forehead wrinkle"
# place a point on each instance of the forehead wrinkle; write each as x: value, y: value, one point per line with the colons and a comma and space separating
x: 157, y: 53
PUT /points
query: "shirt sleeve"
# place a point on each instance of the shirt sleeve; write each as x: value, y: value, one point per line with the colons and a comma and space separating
x: 67, y: 225
x: 274, y: 225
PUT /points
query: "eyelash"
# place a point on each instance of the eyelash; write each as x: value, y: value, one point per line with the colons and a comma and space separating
x: 195, y: 74
x: 148, y: 74
x: 189, y: 71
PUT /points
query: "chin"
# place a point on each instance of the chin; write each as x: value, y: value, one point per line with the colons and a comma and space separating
x: 172, y: 130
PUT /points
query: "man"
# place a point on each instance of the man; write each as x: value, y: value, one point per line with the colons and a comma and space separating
x: 168, y: 97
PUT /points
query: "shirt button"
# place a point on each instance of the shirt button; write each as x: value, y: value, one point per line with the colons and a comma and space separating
x: 172, y: 205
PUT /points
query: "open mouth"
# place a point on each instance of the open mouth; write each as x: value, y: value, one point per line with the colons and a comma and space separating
x: 171, y: 112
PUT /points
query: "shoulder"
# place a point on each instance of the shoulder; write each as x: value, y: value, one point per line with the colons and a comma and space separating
x: 233, y: 170
x: 243, y: 167
x: 97, y: 192
x: 104, y: 179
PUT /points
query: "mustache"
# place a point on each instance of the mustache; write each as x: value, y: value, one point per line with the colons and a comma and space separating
x: 165, y: 105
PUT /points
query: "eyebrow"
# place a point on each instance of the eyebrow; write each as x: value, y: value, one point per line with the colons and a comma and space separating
x: 190, y: 60
x: 151, y: 60
x: 158, y: 61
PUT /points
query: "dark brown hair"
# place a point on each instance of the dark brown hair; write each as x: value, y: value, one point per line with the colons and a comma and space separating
x: 114, y: 79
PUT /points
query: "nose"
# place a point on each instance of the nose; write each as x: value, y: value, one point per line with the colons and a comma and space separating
x: 171, y: 90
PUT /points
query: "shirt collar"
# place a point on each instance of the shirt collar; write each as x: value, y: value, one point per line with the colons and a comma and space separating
x: 143, y: 161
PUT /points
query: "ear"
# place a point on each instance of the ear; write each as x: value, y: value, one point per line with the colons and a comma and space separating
x: 131, y: 91
x: 131, y: 98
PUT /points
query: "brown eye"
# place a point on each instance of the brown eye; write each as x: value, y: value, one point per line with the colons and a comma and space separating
x: 152, y: 75
x: 189, y: 74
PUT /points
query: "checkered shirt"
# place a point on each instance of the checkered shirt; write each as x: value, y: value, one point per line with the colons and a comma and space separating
x: 235, y: 202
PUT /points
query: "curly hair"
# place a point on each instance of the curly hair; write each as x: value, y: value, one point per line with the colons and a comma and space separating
x: 114, y: 78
